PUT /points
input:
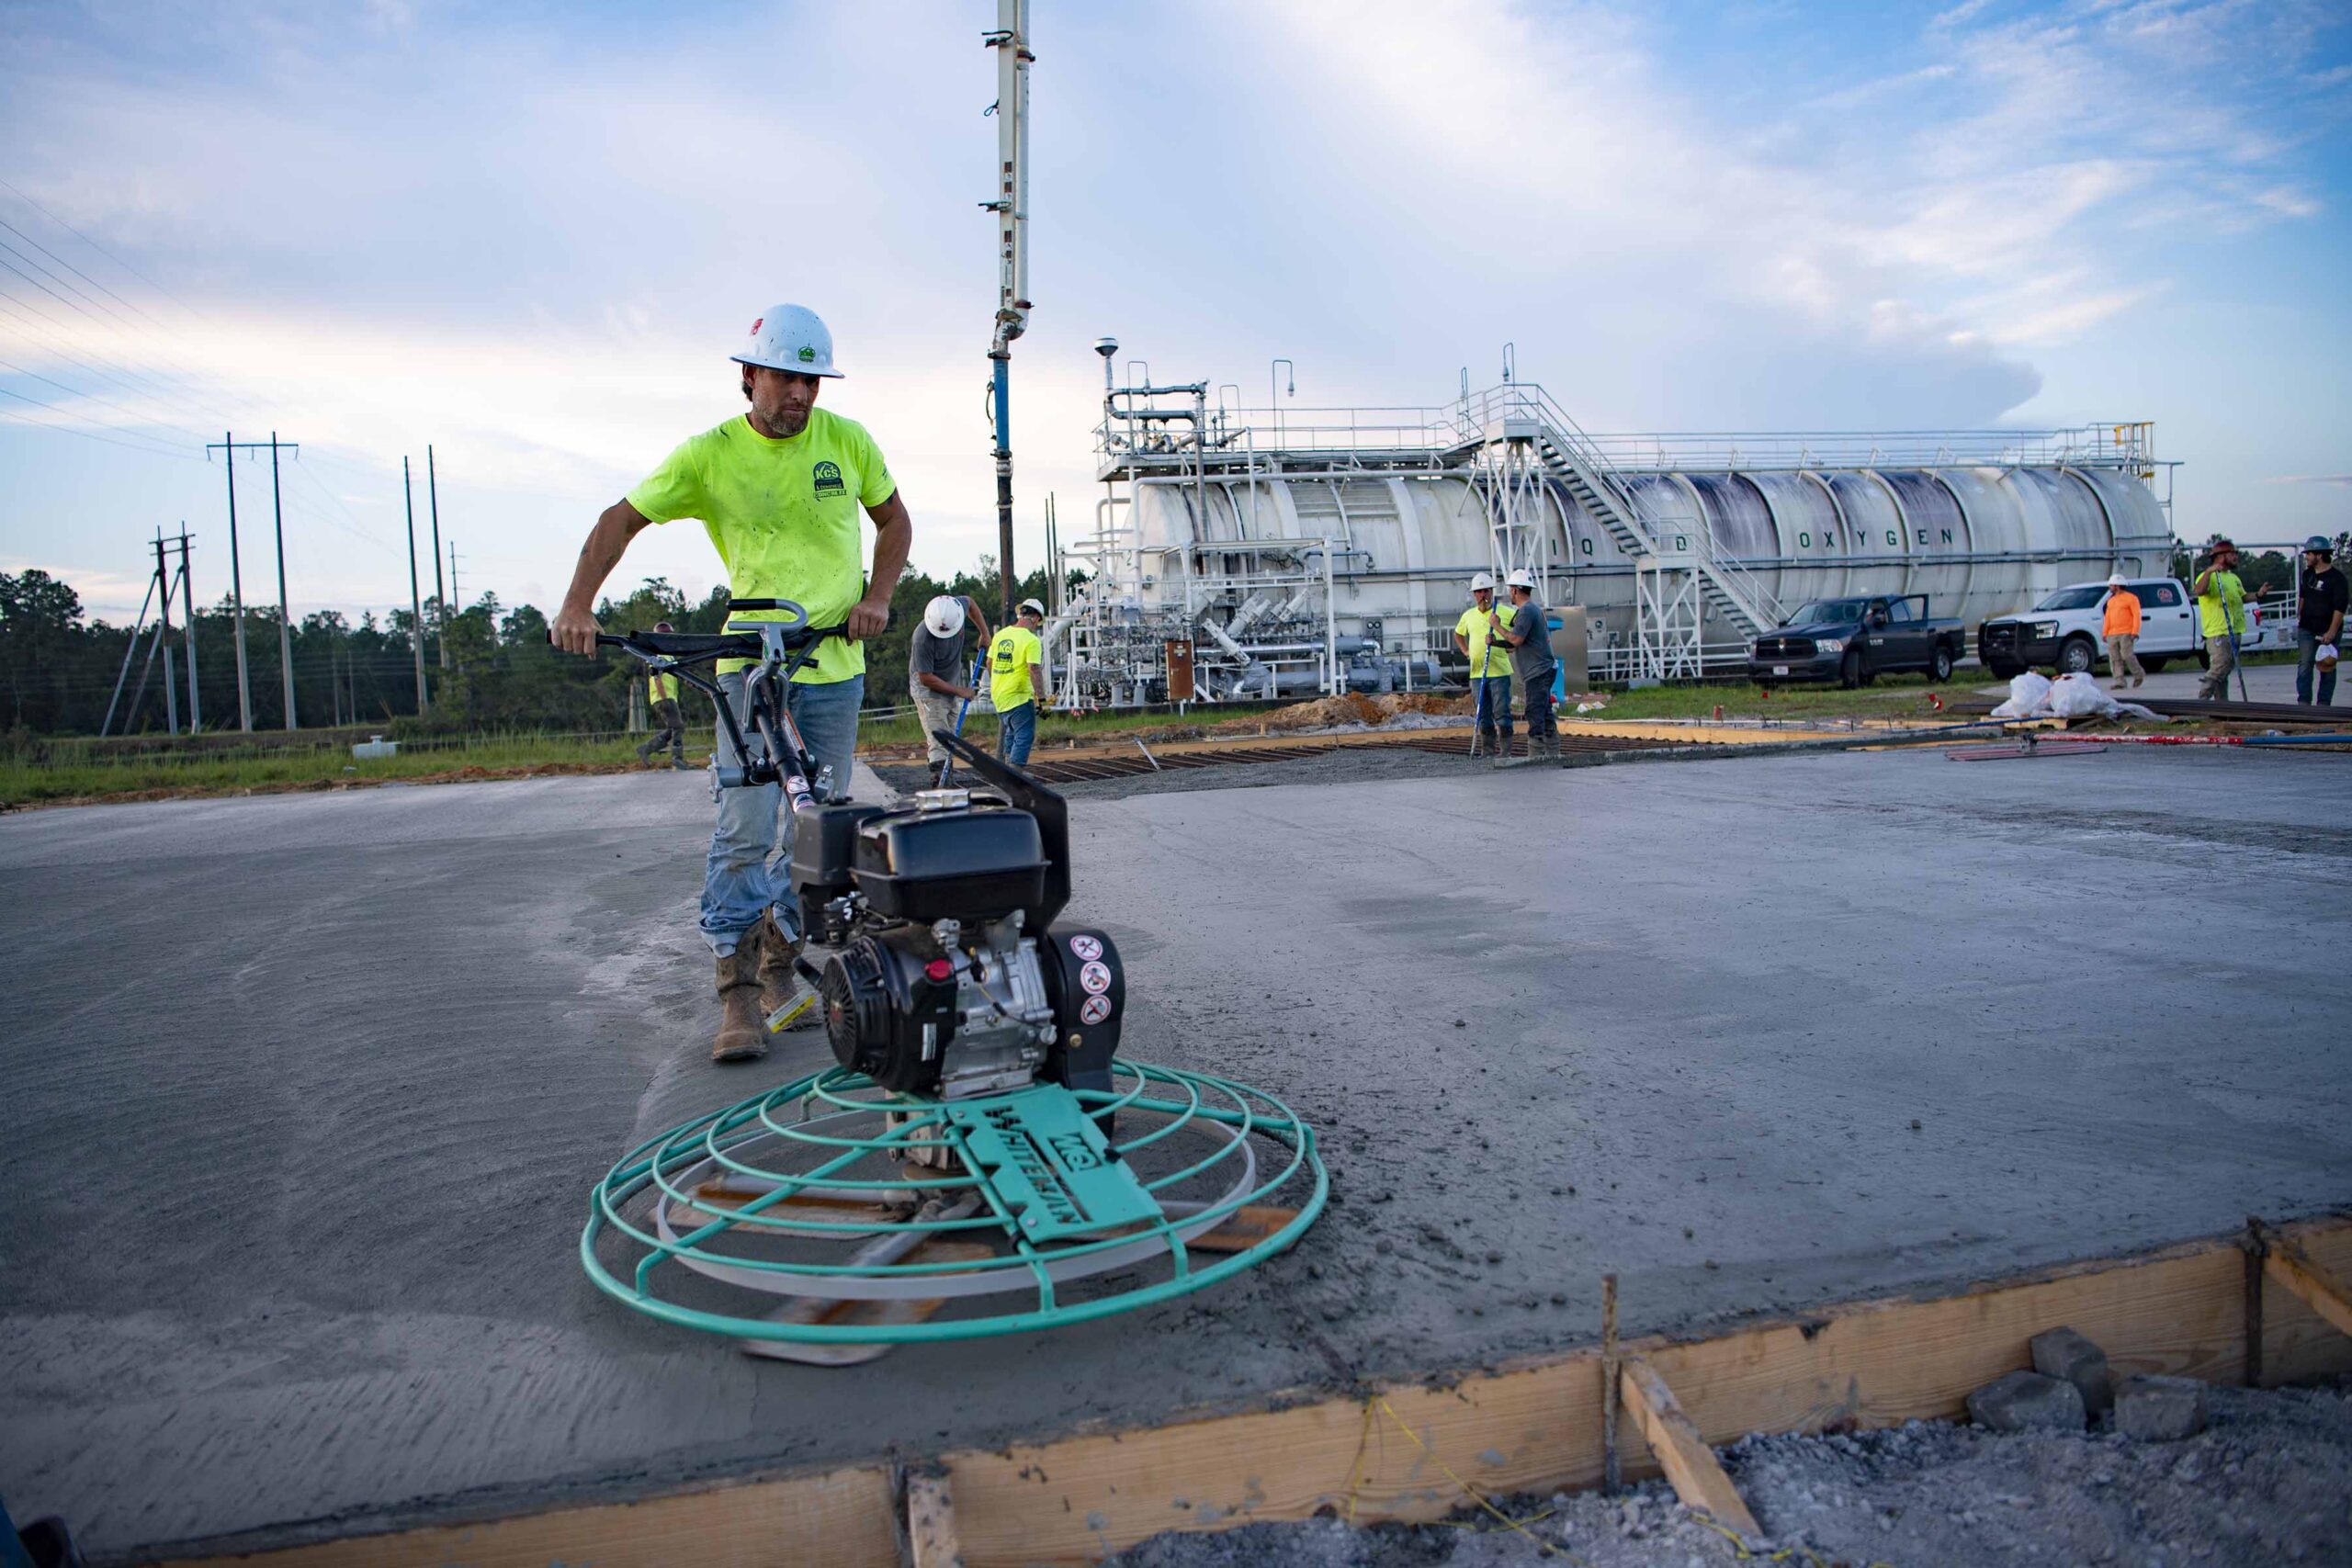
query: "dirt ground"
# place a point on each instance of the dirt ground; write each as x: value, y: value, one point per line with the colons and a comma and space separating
x: 2269, y: 1480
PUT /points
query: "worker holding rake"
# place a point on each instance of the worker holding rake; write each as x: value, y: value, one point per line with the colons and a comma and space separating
x: 779, y: 489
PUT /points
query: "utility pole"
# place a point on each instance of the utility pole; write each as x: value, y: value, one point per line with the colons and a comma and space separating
x: 164, y: 636
x: 440, y: 601
x: 1010, y: 41
x: 285, y: 626
x: 415, y: 596
x: 227, y: 446
x: 456, y: 598
x: 188, y: 601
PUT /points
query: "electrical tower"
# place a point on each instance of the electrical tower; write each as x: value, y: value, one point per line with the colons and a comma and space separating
x: 230, y: 445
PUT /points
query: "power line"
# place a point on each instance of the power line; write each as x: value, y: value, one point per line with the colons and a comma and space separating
x: 49, y: 339
x: 15, y: 417
x: 93, y: 397
x: 190, y: 381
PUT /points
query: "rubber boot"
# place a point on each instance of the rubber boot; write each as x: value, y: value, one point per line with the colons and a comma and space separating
x: 742, y: 1027
x: 780, y: 985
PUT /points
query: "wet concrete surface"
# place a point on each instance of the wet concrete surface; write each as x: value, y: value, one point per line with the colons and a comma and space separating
x: 304, y: 1096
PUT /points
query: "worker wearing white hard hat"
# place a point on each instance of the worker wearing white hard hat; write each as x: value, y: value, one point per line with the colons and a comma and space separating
x: 1526, y: 629
x: 1474, y: 636
x: 940, y: 675
x: 779, y: 489
x: 2121, y: 630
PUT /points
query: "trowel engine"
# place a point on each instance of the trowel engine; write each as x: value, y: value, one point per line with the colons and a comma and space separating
x: 931, y: 947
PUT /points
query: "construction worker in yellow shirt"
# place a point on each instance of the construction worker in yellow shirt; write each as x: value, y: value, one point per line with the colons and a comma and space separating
x: 1475, y: 634
x: 669, y: 722
x: 778, y: 488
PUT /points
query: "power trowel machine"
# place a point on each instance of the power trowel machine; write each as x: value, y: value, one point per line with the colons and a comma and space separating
x: 978, y: 1159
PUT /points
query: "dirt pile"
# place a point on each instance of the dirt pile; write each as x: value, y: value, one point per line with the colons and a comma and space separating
x: 1347, y: 708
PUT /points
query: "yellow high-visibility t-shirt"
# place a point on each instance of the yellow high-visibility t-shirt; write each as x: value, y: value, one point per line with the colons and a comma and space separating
x: 2221, y: 610
x: 1015, y: 649
x: 658, y: 686
x: 782, y: 515
x: 1485, y: 658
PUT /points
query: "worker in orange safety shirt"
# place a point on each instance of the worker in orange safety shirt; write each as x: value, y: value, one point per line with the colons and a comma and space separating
x: 2123, y: 630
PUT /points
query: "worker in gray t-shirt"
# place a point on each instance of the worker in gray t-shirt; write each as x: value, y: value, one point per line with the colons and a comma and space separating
x: 938, y: 669
x: 1527, y: 628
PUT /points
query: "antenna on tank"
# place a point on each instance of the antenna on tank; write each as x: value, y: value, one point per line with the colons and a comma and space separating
x: 1511, y: 362
x: 1106, y: 347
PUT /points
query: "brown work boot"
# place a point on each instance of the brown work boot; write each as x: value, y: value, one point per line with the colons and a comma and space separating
x: 743, y: 1029
x: 781, y: 989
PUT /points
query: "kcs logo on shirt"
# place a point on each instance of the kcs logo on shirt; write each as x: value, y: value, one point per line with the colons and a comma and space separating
x: 829, y: 479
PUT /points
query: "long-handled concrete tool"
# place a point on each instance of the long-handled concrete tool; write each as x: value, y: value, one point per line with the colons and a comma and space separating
x: 971, y: 682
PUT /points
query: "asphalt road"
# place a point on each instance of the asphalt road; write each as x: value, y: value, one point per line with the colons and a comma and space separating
x: 304, y: 1096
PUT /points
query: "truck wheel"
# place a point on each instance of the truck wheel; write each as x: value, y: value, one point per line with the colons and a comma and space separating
x: 1939, y: 670
x: 2078, y: 657
x: 1849, y: 671
x: 2155, y: 662
x: 2005, y: 671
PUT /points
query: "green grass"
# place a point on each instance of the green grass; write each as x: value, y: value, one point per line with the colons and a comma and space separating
x: 65, y: 770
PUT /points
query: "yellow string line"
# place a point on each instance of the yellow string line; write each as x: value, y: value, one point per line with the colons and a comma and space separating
x: 1545, y: 1547
x: 1355, y: 1471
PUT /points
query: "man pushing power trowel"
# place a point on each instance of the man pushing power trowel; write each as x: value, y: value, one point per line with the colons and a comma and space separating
x: 779, y: 489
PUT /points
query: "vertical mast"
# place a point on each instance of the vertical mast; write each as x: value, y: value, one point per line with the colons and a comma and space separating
x: 1010, y: 41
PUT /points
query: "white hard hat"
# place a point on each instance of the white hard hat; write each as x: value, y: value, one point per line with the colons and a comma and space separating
x: 1523, y: 578
x: 944, y: 615
x: 789, y: 337
x: 1482, y: 581
x: 1030, y: 606
x: 2116, y: 580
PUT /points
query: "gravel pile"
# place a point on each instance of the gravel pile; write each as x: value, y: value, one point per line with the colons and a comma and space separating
x: 2269, y: 1480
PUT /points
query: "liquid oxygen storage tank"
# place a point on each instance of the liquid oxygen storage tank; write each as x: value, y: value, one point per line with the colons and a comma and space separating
x: 1286, y: 552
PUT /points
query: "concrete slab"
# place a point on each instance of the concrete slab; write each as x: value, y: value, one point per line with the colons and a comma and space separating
x: 306, y: 1093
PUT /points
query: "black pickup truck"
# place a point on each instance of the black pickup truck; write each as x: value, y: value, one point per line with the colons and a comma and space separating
x: 1853, y: 641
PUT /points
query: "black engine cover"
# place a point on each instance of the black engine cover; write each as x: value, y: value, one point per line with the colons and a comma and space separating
x: 1087, y: 986
x: 884, y: 1015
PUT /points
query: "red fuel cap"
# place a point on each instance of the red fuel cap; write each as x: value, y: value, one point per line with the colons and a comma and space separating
x: 938, y: 969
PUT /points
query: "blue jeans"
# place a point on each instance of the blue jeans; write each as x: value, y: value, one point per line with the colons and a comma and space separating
x: 1016, y: 731
x: 1493, y: 693
x: 2306, y: 666
x: 743, y: 880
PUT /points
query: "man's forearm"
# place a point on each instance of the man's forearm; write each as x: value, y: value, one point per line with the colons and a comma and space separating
x: 607, y: 541
x: 894, y: 537
x: 932, y: 682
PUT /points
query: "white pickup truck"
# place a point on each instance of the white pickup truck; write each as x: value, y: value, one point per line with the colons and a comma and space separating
x: 2065, y: 630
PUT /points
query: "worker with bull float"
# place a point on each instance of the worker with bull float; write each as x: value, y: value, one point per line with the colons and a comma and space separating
x: 2221, y: 616
x: 779, y: 489
x: 669, y: 722
x: 1474, y: 634
x: 2121, y: 629
x: 1526, y: 628
x: 1017, y: 682
x: 938, y: 673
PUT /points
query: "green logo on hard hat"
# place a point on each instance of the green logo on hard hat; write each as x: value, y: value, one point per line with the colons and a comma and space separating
x: 807, y: 355
x: 829, y: 479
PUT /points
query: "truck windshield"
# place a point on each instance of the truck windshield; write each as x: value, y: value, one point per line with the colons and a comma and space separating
x: 1825, y: 610
x: 2083, y: 598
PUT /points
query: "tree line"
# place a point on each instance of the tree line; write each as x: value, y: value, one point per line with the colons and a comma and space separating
x: 487, y: 668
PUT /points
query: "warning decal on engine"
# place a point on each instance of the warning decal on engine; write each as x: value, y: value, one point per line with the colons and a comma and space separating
x: 1094, y: 1010
x: 1095, y: 976
x: 1087, y: 947
x: 1049, y: 1165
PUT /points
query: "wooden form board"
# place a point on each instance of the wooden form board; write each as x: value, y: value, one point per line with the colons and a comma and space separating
x: 1407, y: 1452
x: 838, y: 1518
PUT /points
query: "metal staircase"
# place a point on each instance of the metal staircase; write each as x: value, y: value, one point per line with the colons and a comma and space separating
x: 1586, y: 474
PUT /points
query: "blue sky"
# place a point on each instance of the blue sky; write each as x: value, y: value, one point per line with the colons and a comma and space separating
x: 531, y: 234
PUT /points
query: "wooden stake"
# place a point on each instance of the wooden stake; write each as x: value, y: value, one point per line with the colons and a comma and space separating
x: 930, y: 1523
x: 1681, y: 1452
x: 1611, y: 1475
x: 2255, y: 1249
